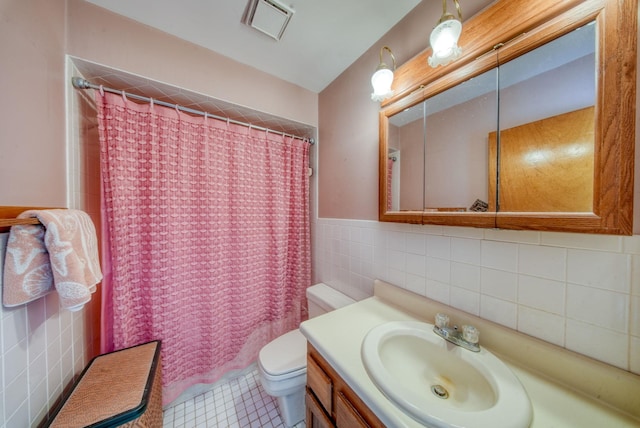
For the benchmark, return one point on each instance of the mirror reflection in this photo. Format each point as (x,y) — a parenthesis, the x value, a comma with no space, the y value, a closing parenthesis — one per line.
(405,168)
(458,122)
(446,154)
(546,139)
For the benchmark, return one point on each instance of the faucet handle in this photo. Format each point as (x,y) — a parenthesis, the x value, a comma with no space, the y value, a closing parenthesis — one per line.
(442,320)
(470,334)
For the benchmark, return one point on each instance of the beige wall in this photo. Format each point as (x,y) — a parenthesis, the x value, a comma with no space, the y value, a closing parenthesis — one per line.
(348,148)
(32,130)
(456,158)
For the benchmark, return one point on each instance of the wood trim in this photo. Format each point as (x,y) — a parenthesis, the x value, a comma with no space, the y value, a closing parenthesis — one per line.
(617,104)
(542,21)
(347,415)
(315,415)
(412,217)
(341,387)
(319,383)
(465,219)
(553,222)
(479,35)
(8,216)
(615,123)
(383,129)
(556,26)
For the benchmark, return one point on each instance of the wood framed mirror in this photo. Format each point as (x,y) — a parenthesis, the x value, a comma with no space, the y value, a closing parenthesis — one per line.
(593,193)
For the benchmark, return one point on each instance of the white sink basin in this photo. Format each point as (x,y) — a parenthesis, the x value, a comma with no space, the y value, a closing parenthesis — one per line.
(440,384)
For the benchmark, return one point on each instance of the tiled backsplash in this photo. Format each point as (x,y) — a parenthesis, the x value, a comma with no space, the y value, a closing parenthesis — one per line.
(41,349)
(577,291)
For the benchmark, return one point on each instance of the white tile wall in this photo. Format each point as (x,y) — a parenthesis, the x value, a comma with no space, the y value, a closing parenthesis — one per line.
(37,356)
(578,291)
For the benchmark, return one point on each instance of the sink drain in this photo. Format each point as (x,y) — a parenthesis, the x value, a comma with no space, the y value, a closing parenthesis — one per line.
(440,391)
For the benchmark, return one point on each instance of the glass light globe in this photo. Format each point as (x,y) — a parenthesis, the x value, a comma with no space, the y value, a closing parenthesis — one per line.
(381,82)
(444,42)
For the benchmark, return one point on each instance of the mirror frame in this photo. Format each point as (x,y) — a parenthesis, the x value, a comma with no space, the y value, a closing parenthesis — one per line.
(526,25)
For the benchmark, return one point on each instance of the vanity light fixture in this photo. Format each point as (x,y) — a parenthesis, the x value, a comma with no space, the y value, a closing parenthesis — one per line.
(444,37)
(383,78)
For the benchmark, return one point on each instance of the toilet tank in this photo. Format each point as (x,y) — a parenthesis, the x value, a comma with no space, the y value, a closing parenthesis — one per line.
(322,299)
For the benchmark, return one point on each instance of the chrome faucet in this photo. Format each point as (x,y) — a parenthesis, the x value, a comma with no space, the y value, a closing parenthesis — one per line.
(468,338)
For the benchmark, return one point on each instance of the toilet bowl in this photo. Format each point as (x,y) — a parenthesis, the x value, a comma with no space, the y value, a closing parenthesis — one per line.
(282,363)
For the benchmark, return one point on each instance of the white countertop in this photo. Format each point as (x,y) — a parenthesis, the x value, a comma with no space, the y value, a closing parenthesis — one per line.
(338,335)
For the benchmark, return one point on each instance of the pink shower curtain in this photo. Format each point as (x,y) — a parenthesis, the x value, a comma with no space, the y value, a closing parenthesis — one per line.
(207,237)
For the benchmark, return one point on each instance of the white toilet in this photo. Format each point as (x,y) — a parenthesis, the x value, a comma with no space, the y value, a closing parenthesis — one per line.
(282,363)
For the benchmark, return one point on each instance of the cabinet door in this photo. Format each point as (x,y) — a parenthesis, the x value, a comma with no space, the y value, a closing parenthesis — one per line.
(346,414)
(316,417)
(320,383)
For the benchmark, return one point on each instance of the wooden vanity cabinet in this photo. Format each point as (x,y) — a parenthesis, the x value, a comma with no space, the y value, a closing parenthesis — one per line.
(330,402)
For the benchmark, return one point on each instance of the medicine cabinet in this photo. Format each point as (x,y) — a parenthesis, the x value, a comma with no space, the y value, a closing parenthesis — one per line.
(532,128)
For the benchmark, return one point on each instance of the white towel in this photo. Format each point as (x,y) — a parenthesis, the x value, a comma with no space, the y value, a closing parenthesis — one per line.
(61,253)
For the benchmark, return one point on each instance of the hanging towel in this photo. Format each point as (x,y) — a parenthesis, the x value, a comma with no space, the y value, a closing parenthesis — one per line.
(61,253)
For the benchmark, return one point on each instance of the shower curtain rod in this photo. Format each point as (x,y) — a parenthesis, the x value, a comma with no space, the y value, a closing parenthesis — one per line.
(80,83)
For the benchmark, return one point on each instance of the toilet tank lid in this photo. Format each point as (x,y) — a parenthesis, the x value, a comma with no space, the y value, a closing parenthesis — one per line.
(327,297)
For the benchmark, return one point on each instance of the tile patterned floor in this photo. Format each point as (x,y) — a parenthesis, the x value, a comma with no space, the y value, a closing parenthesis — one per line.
(238,403)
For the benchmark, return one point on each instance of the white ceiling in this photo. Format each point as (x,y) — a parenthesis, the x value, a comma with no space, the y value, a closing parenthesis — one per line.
(323,38)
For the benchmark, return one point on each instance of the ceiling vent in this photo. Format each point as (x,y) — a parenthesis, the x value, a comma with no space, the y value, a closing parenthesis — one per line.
(268,16)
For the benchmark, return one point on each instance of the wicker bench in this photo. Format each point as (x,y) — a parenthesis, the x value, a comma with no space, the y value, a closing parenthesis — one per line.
(121,388)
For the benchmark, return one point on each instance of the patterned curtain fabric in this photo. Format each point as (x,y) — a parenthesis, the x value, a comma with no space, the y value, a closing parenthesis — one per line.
(208,240)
